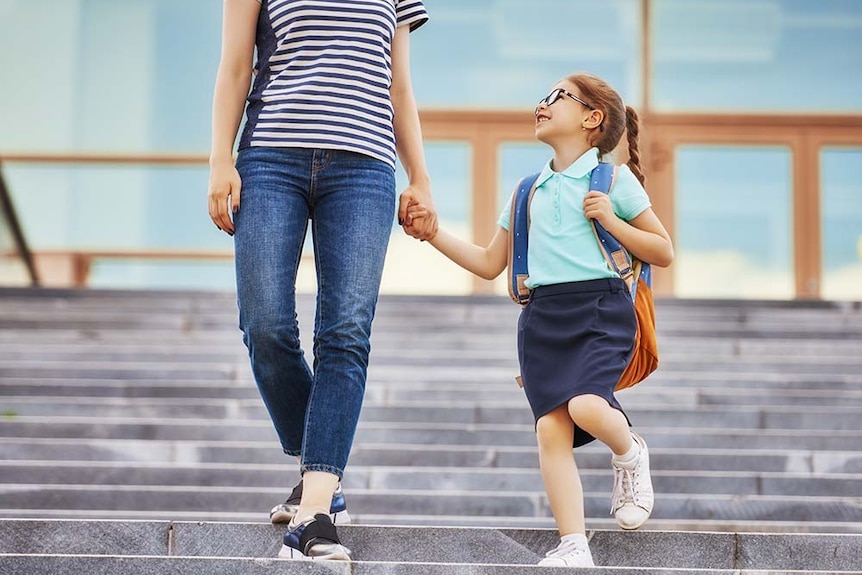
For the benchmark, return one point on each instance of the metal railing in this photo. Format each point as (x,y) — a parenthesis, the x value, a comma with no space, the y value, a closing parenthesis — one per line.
(9,218)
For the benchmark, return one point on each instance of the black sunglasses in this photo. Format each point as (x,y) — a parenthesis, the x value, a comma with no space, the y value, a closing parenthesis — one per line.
(558,93)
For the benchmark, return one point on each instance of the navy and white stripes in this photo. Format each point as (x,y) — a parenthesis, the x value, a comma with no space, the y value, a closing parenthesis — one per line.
(324,72)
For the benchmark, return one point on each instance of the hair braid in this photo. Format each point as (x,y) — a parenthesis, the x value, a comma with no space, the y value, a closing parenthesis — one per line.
(632,130)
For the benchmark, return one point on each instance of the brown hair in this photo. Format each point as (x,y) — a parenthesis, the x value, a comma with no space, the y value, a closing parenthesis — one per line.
(618,118)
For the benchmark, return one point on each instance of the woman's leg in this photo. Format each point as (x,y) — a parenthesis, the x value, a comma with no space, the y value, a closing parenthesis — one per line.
(554,432)
(353,209)
(270,230)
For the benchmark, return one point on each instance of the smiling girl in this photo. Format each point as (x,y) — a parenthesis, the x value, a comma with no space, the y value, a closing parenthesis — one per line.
(577,332)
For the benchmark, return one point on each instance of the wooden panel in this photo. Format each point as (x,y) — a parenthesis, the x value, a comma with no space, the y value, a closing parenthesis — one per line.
(806,220)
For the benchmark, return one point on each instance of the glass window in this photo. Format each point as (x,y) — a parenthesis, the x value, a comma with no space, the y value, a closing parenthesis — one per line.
(733,232)
(162,274)
(416,267)
(507,53)
(135,75)
(148,66)
(122,207)
(114,206)
(516,161)
(13,268)
(764,55)
(841,213)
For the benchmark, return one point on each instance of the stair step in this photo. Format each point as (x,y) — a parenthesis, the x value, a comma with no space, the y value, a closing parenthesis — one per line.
(169,475)
(510,411)
(173,501)
(448,546)
(190,429)
(441,455)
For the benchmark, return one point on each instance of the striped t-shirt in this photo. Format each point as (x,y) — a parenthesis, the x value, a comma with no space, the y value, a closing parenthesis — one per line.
(324,68)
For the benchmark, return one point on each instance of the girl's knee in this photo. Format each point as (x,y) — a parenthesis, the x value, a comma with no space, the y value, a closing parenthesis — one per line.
(555,428)
(587,406)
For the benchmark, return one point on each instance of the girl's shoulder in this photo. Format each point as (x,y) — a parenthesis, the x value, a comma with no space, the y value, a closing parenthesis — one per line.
(625,173)
(627,180)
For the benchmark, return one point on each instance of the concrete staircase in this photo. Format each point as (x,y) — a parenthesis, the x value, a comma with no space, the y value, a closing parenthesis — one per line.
(132,440)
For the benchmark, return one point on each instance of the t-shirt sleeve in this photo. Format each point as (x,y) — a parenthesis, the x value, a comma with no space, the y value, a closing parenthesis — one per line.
(506,214)
(410,13)
(628,197)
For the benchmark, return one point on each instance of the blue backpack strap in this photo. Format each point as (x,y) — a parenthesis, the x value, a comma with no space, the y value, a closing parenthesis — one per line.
(519,225)
(618,258)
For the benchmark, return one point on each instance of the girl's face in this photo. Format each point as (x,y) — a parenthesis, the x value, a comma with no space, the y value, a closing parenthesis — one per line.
(562,113)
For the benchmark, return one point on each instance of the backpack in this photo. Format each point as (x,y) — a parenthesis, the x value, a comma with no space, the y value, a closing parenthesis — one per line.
(636,274)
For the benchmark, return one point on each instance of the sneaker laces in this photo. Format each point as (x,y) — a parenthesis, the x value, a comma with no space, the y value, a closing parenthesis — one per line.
(624,491)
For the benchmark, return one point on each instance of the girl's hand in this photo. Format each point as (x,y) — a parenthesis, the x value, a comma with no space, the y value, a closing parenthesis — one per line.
(415,210)
(223,196)
(416,214)
(423,228)
(597,206)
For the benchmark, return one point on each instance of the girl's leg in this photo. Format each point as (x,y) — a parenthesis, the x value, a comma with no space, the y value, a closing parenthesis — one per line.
(632,498)
(554,432)
(594,415)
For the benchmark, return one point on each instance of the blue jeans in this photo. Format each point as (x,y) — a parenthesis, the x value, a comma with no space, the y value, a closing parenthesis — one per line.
(350,200)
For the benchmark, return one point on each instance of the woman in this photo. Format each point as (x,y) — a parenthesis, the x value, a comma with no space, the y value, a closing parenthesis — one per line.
(331,105)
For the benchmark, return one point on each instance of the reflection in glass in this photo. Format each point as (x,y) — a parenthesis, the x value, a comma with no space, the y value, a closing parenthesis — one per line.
(520,48)
(841,213)
(416,267)
(768,55)
(516,161)
(110,207)
(108,76)
(733,232)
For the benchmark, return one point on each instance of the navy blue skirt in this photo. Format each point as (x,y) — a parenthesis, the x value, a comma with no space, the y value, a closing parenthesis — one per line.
(575,339)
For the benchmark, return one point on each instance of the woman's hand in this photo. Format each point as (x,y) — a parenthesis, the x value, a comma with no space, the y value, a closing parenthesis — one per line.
(416,213)
(421,227)
(224,194)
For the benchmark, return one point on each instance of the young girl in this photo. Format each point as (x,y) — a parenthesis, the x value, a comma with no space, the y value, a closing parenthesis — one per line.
(576,334)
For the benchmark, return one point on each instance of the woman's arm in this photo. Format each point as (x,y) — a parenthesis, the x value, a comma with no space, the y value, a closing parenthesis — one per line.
(408,139)
(231,89)
(487,263)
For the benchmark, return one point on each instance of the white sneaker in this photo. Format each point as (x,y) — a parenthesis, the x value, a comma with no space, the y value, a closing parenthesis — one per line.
(568,554)
(632,499)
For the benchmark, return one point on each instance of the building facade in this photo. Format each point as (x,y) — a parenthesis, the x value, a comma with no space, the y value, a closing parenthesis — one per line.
(751,135)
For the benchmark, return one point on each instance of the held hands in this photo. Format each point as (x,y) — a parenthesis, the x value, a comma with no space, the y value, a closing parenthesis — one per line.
(416,213)
(597,206)
(224,193)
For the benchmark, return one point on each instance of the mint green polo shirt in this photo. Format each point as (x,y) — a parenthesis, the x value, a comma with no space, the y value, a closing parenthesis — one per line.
(562,246)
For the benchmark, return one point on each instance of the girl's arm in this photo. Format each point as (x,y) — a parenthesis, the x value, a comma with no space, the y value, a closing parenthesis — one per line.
(231,89)
(645,236)
(408,139)
(487,263)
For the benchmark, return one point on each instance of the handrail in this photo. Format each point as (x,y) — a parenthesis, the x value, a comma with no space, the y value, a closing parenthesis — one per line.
(101,158)
(8,210)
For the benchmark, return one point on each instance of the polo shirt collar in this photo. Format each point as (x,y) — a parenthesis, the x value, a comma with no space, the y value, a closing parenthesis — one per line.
(579,168)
